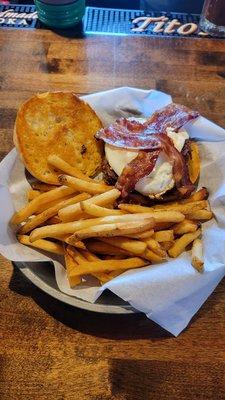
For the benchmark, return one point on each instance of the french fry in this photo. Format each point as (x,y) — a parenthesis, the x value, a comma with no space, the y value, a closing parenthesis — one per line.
(53,220)
(127,218)
(123,218)
(41,244)
(142,235)
(42,187)
(181,243)
(197,255)
(53,203)
(193,206)
(200,215)
(60,229)
(105,248)
(185,226)
(44,198)
(135,208)
(107,276)
(72,212)
(90,267)
(114,274)
(81,186)
(194,162)
(201,194)
(32,194)
(81,216)
(63,166)
(101,276)
(132,246)
(153,245)
(164,236)
(89,256)
(71,227)
(109,230)
(158,215)
(82,256)
(161,226)
(71,265)
(153,257)
(166,206)
(98,211)
(105,279)
(50,212)
(167,245)
(115,257)
(76,254)
(110,275)
(184,208)
(60,238)
(79,245)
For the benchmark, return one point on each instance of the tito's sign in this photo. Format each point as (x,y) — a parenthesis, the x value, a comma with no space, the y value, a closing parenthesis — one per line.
(163,25)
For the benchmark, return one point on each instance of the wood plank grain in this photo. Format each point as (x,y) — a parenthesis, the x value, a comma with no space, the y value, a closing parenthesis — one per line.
(54,351)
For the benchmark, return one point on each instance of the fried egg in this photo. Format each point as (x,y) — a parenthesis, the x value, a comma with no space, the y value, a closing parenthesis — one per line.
(160,180)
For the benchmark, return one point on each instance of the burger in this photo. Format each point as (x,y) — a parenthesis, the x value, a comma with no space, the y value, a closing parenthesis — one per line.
(151,159)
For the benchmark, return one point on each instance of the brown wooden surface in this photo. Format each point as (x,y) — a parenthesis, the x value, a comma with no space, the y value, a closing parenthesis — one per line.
(52,351)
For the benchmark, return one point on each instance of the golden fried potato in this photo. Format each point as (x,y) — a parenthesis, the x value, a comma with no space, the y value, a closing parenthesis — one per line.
(42,244)
(181,243)
(194,162)
(197,255)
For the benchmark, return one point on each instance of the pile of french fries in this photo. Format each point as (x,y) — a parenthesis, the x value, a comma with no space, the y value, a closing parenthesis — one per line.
(78,220)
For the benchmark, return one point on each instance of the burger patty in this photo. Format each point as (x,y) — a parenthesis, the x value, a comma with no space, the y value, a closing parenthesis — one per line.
(110,177)
(186,149)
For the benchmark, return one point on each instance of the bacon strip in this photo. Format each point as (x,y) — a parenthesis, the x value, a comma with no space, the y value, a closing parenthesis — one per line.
(180,169)
(174,116)
(144,163)
(150,136)
(128,134)
(141,166)
(135,135)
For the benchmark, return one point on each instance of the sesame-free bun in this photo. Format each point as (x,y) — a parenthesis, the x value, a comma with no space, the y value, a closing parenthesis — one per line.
(61,124)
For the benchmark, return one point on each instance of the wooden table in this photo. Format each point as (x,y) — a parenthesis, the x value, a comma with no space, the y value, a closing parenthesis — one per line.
(52,351)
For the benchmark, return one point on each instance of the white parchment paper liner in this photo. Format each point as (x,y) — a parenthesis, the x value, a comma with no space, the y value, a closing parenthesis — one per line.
(169,293)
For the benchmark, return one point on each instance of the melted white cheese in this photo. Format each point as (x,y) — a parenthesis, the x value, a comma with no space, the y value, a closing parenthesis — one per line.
(178,138)
(161,178)
(118,158)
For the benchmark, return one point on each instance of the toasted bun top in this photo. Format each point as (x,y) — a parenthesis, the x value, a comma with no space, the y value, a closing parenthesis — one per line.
(57,123)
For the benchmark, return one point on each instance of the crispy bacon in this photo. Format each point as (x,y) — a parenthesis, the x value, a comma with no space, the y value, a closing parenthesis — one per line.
(145,161)
(135,135)
(180,169)
(141,166)
(150,136)
(128,134)
(174,116)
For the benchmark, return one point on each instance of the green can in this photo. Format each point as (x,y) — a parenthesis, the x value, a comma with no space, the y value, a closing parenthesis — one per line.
(60,13)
